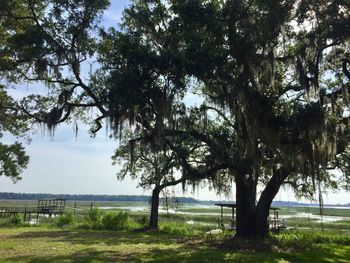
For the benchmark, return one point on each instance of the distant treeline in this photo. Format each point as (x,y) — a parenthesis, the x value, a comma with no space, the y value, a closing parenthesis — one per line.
(133,198)
(102,198)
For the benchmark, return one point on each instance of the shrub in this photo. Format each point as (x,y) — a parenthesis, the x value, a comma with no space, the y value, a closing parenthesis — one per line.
(94,218)
(66,219)
(15,220)
(115,221)
(177,228)
(143,221)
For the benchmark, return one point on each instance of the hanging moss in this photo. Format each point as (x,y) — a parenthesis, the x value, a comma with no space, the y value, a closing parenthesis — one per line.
(52,119)
(132,152)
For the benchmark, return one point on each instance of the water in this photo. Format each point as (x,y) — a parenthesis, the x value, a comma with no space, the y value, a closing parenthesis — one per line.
(318,218)
(126,208)
(146,208)
(161,210)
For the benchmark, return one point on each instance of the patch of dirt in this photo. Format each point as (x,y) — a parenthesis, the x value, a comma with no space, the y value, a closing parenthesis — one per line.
(145,230)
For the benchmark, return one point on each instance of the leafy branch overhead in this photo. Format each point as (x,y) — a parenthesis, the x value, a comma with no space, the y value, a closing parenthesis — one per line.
(12,156)
(48,42)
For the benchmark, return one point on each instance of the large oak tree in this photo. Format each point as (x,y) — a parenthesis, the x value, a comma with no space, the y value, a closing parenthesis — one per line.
(280,70)
(275,72)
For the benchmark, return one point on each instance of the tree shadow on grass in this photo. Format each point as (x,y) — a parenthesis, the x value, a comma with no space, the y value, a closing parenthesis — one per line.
(202,254)
(320,253)
(87,255)
(156,247)
(153,255)
(270,250)
(95,237)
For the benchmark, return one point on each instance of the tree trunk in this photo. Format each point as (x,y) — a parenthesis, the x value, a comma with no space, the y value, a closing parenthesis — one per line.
(245,201)
(265,201)
(153,222)
(252,220)
(261,220)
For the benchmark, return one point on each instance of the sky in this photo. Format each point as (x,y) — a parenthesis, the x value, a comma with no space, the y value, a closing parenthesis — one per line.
(66,164)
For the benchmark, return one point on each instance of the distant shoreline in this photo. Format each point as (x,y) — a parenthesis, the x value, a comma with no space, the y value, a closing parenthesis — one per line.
(140,198)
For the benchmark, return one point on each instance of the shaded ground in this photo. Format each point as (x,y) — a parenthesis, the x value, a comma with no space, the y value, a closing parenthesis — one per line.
(42,244)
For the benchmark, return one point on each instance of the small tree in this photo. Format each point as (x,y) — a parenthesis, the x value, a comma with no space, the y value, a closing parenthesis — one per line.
(169,200)
(154,169)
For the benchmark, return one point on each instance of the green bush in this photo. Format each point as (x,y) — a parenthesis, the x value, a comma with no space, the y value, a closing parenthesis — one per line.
(94,218)
(16,220)
(143,221)
(116,221)
(66,219)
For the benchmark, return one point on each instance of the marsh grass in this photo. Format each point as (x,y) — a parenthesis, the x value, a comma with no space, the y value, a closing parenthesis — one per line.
(315,211)
(313,224)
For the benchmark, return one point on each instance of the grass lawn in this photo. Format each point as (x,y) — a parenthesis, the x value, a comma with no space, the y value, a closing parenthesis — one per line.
(51,244)
(182,239)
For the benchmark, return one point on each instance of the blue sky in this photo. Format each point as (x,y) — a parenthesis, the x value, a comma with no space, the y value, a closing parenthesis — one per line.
(68,165)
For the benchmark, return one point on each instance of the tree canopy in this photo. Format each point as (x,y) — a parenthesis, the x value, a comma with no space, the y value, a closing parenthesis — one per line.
(273,77)
(13,158)
(49,42)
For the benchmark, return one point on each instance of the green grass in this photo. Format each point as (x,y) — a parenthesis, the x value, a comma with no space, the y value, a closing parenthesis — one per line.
(209,219)
(47,244)
(176,241)
(18,203)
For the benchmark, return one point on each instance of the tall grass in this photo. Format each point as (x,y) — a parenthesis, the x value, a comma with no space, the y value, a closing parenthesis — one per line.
(67,219)
(16,220)
(305,238)
(99,219)
(116,221)
(94,218)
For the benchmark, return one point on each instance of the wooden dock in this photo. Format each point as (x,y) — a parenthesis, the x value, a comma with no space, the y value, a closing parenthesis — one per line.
(275,224)
(49,207)
(26,212)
